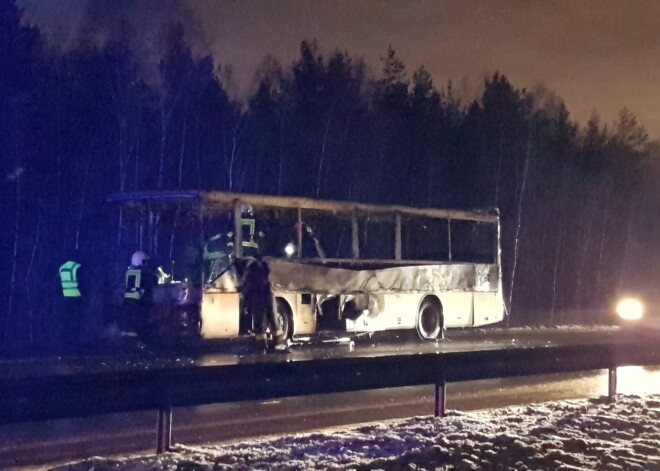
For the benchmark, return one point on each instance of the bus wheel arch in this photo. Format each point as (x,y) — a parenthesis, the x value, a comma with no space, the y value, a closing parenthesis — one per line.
(430,322)
(285,314)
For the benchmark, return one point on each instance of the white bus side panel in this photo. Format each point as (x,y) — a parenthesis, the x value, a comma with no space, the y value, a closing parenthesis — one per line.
(220,315)
(456,308)
(304,317)
(400,312)
(488,308)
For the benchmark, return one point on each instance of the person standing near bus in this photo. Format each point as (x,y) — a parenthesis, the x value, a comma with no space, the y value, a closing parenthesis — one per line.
(140,281)
(218,250)
(216,256)
(72,302)
(251,234)
(259,302)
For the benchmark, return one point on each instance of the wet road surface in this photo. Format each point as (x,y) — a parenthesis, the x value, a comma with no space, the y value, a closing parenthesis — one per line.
(70,439)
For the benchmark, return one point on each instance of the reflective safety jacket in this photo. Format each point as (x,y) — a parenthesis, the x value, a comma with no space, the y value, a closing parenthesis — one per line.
(69,279)
(139,283)
(249,229)
(216,247)
(221,245)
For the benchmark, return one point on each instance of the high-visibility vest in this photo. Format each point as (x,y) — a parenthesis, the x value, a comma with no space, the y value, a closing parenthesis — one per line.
(133,281)
(249,228)
(69,279)
(215,247)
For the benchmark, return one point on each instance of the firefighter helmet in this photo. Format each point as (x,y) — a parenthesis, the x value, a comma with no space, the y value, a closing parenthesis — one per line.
(246,210)
(139,258)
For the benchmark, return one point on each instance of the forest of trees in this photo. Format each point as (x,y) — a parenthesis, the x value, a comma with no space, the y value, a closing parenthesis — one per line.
(80,122)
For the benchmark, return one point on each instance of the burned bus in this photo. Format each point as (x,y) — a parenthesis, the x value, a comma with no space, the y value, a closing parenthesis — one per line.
(342,267)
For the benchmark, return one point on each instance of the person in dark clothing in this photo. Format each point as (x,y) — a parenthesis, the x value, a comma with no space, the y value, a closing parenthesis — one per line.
(310,247)
(140,281)
(216,255)
(258,301)
(218,251)
(72,303)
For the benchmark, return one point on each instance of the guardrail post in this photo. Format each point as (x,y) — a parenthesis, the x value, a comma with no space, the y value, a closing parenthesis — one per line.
(164,430)
(611,384)
(440,397)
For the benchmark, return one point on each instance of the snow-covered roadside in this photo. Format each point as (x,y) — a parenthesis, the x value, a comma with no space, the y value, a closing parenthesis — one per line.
(582,434)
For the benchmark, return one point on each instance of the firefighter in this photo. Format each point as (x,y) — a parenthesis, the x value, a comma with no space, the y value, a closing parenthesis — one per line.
(259,302)
(218,250)
(72,302)
(310,247)
(216,255)
(140,280)
(251,235)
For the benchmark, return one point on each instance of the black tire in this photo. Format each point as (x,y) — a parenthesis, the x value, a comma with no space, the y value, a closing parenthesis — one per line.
(283,312)
(430,320)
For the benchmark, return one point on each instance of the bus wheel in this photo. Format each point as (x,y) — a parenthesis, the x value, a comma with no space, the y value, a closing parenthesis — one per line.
(430,321)
(284,317)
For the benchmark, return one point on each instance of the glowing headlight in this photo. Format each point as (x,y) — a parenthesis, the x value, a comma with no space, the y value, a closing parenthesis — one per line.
(290,249)
(630,309)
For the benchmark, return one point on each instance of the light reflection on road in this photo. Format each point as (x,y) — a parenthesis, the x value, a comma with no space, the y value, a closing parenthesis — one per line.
(638,380)
(486,394)
(134,432)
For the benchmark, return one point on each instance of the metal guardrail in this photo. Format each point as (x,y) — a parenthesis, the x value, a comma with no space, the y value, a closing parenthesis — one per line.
(75,395)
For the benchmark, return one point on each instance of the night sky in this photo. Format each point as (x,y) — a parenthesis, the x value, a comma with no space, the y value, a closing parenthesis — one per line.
(597,54)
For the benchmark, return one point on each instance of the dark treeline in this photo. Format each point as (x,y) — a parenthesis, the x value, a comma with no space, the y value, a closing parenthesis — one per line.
(80,122)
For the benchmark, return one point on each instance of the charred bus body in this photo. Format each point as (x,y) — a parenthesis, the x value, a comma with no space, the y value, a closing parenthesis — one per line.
(333,266)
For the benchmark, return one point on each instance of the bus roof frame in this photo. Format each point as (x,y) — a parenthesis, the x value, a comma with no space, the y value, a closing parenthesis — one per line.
(211,203)
(218,201)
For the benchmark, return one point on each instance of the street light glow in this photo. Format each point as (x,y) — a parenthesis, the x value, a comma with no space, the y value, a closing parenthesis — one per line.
(630,309)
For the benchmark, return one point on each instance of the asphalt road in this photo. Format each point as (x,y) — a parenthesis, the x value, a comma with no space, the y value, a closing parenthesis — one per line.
(35,444)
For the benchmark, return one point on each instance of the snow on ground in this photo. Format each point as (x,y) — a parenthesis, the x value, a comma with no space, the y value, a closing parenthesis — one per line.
(567,435)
